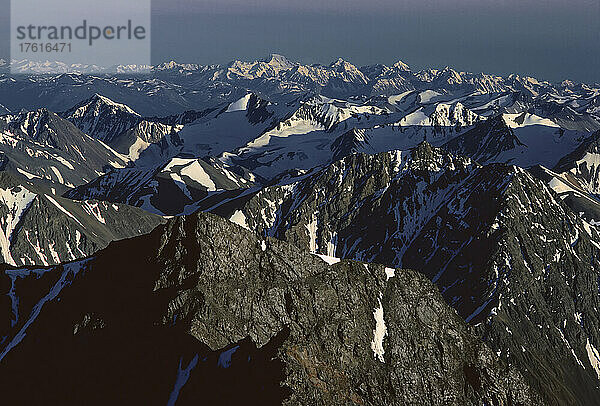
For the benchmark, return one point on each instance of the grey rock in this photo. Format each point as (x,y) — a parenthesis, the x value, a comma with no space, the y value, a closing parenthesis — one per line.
(506,252)
(240,295)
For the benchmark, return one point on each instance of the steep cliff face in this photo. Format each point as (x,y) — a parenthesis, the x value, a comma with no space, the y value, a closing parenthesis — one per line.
(505,251)
(202,310)
(487,142)
(38,228)
(581,166)
(41,146)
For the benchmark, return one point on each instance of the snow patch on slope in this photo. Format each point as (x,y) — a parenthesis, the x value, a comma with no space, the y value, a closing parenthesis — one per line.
(379,333)
(16,200)
(593,356)
(195,172)
(93,209)
(15,274)
(240,105)
(239,219)
(329,260)
(312,233)
(183,375)
(58,206)
(525,119)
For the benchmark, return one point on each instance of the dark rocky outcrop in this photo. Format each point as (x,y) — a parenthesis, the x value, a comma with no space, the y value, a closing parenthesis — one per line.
(202,311)
(507,253)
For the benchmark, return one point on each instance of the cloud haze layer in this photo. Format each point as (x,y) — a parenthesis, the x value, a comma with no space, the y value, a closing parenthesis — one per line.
(549,39)
(362,6)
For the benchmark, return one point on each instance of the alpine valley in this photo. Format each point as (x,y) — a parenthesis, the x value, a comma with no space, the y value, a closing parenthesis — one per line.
(269,232)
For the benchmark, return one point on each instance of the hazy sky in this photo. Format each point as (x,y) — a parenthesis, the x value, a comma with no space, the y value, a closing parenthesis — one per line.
(549,39)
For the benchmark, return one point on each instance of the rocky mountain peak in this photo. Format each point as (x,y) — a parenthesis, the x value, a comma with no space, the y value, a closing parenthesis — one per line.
(260,309)
(486,141)
(479,232)
(343,66)
(450,76)
(279,62)
(99,103)
(423,151)
(428,159)
(104,119)
(401,66)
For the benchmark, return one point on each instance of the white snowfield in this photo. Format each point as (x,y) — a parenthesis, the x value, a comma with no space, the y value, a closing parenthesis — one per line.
(525,120)
(16,202)
(192,169)
(240,105)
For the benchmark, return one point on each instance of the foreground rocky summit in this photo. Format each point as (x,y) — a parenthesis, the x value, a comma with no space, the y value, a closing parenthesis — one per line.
(203,311)
(506,252)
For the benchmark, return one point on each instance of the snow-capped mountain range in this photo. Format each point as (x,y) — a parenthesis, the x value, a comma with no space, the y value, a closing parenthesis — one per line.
(488,186)
(174,87)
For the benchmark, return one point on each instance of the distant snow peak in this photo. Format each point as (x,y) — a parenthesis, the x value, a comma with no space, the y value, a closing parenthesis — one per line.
(402,66)
(342,65)
(279,61)
(98,98)
(52,67)
(173,65)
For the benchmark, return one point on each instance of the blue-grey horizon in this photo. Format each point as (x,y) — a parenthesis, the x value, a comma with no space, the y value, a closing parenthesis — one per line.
(548,39)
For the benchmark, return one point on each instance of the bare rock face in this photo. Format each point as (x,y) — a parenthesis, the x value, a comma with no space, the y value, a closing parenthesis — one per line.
(203,311)
(505,251)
